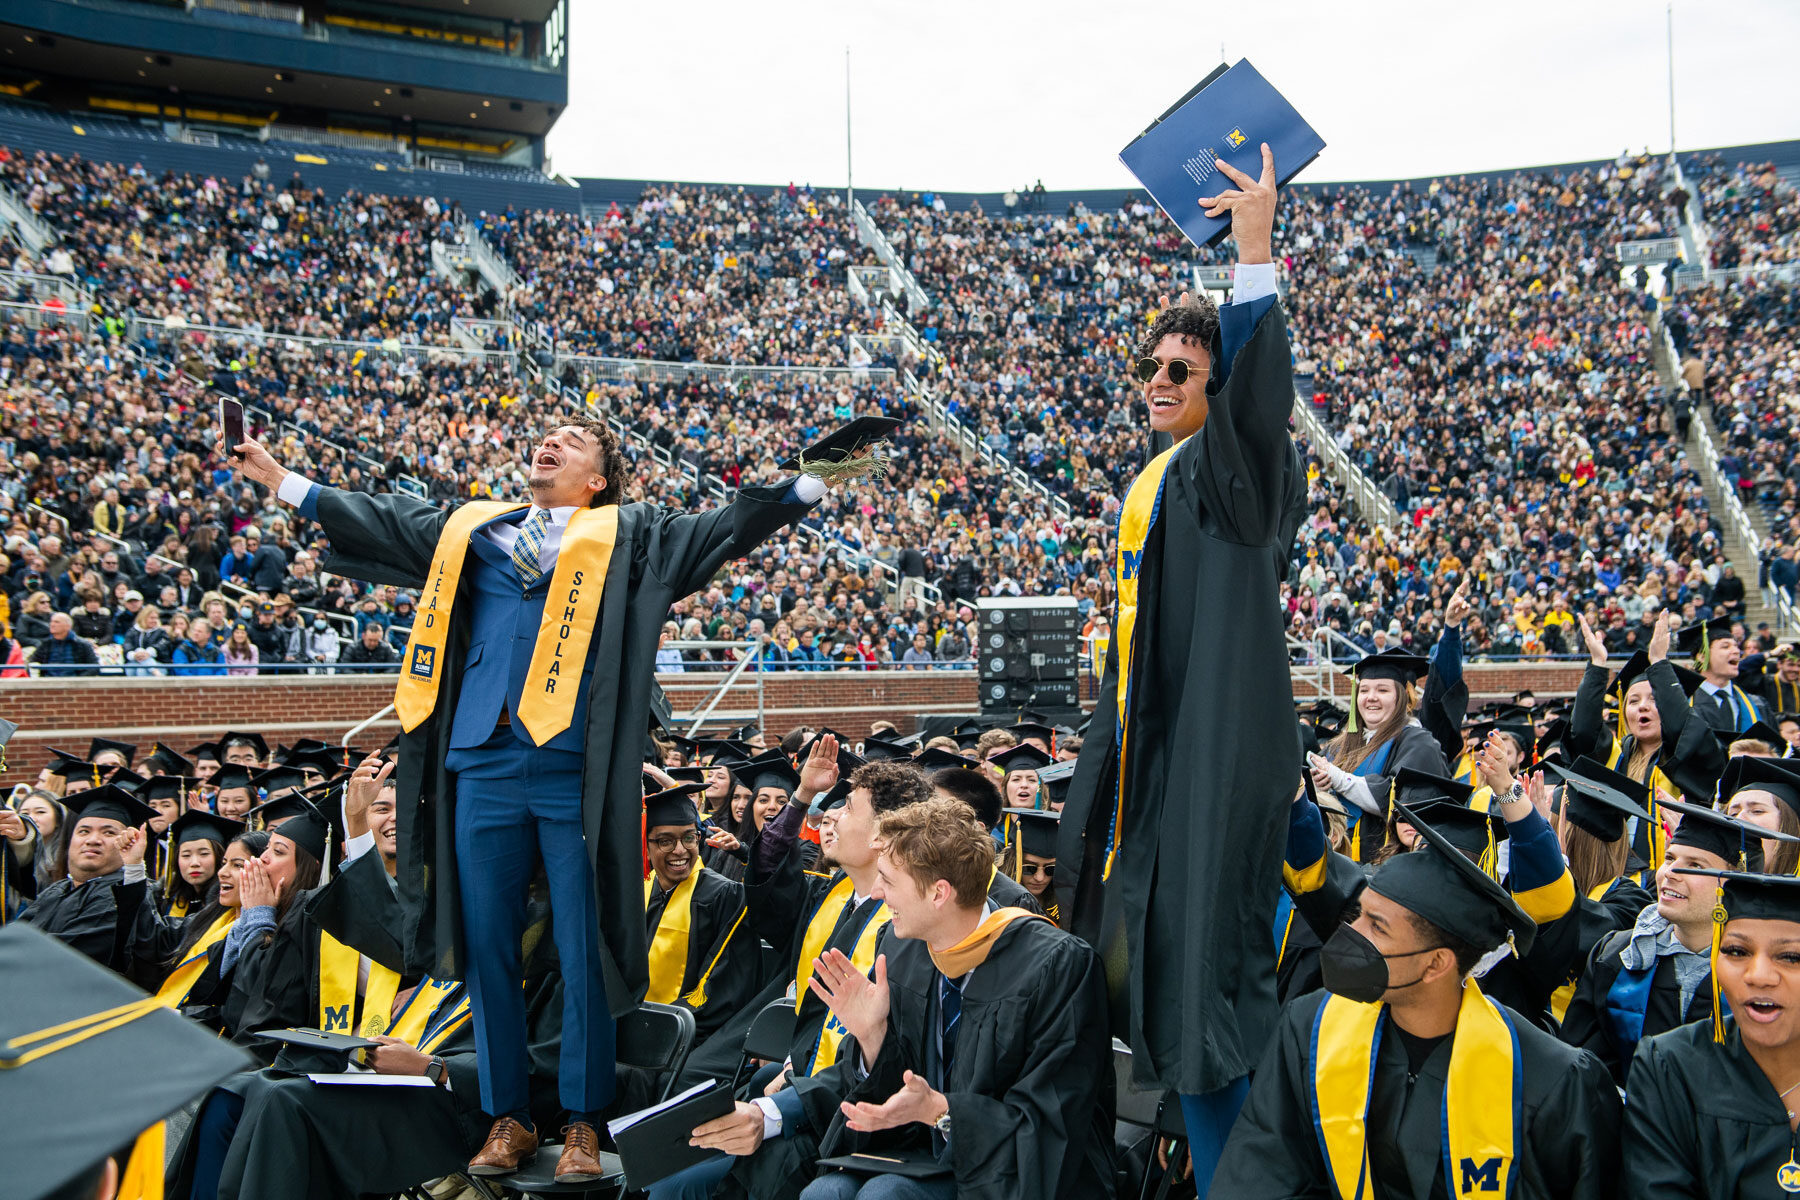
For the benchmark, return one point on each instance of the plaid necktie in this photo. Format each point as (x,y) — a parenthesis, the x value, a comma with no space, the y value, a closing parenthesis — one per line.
(529,545)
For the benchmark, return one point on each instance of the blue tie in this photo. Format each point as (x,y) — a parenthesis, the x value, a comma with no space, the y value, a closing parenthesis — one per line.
(949,1015)
(529,545)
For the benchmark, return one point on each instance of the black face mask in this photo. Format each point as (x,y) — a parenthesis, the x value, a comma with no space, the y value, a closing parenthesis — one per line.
(1353,968)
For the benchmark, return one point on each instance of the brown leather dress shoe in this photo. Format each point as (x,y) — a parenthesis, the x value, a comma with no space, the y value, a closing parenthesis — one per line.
(580,1161)
(508,1144)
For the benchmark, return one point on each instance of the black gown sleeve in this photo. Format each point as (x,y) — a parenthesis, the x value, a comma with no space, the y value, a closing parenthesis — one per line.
(387,538)
(1573,1138)
(1588,734)
(360,909)
(1661,1145)
(1240,463)
(683,550)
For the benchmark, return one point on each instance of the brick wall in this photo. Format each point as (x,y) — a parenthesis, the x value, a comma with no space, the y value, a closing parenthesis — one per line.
(67,713)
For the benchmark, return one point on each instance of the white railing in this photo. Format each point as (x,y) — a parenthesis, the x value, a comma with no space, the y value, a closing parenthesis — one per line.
(392,348)
(40,316)
(480,333)
(1739,519)
(1370,500)
(598,367)
(494,268)
(1726,276)
(267,10)
(33,230)
(884,250)
(451,259)
(34,285)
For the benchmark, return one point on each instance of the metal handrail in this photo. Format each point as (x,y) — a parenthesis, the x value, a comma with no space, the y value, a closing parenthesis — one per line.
(652,370)
(34,230)
(1371,500)
(884,250)
(351,733)
(1739,517)
(731,677)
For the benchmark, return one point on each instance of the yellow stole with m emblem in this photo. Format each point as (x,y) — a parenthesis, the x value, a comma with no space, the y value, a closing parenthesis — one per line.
(337,990)
(570,610)
(1483,1096)
(1143,503)
(818,933)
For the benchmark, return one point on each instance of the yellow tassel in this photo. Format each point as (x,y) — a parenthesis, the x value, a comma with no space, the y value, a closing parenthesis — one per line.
(696,999)
(1719,916)
(143,1175)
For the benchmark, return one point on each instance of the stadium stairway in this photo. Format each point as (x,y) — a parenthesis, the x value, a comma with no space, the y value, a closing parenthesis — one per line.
(1425,256)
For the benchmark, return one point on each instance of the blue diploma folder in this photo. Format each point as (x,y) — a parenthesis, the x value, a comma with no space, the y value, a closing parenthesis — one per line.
(1228,116)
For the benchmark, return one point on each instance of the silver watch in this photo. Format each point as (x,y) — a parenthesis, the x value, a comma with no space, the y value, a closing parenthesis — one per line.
(942,1124)
(1517,791)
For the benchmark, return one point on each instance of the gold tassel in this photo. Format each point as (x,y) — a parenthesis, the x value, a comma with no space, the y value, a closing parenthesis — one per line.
(142,1178)
(696,999)
(1719,916)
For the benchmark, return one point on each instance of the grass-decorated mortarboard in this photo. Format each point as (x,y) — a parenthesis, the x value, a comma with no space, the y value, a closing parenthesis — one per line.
(67,1025)
(1599,801)
(834,456)
(1737,843)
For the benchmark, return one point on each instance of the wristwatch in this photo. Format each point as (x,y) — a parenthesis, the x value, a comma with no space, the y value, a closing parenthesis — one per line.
(942,1124)
(434,1071)
(1518,790)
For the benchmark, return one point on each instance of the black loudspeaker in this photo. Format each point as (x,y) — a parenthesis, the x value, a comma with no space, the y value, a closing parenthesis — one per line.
(1029,654)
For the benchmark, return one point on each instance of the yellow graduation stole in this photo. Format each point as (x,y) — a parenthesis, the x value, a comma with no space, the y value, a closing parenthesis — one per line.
(436,1009)
(1657,782)
(564,631)
(1465,770)
(812,944)
(1142,504)
(669,948)
(1482,1096)
(173,993)
(337,990)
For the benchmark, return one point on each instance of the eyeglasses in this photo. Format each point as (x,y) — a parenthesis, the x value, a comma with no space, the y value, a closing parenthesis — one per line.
(1179,370)
(1047,870)
(668,842)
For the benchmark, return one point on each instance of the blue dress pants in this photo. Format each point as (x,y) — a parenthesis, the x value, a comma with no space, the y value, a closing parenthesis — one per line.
(517,805)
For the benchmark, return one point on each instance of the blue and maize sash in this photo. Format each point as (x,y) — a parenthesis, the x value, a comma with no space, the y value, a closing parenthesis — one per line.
(1483,1095)
(436,1009)
(1143,504)
(812,944)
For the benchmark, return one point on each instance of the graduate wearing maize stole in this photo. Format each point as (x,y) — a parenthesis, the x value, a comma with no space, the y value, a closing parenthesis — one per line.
(1170,847)
(1402,1080)
(527,684)
(1713,1113)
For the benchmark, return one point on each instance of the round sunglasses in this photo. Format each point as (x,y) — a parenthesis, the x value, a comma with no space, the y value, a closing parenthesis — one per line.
(1179,370)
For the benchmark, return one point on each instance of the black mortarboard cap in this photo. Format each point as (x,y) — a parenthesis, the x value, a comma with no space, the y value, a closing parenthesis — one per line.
(321,760)
(159,787)
(725,749)
(1639,663)
(876,749)
(71,1108)
(674,806)
(70,766)
(207,750)
(1470,830)
(254,740)
(1054,779)
(127,778)
(688,775)
(280,778)
(234,775)
(688,746)
(164,761)
(843,442)
(968,739)
(770,769)
(1749,897)
(1554,732)
(838,795)
(306,1051)
(1037,830)
(1022,757)
(299,820)
(110,801)
(1599,801)
(1689,638)
(7,729)
(1438,883)
(1780,777)
(99,744)
(1399,665)
(933,759)
(1738,843)
(1036,729)
(1415,788)
(196,824)
(1759,731)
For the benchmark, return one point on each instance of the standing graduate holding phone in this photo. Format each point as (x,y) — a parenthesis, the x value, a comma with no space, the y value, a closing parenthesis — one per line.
(523,698)
(1169,857)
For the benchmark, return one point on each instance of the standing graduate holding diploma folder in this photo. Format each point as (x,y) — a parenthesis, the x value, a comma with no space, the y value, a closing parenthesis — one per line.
(1169,858)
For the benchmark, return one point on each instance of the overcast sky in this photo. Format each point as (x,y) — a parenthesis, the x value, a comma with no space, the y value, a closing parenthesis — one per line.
(976,95)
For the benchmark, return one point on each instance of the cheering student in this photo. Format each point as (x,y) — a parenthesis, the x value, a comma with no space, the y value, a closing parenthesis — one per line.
(1776,685)
(194,981)
(1194,731)
(546,727)
(1712,1112)
(976,1054)
(1657,975)
(1766,792)
(1031,858)
(1655,744)
(1403,1078)
(94,906)
(1719,701)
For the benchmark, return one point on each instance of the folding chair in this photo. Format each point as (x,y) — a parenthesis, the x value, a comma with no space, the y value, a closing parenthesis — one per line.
(1155,1116)
(656,1038)
(769,1038)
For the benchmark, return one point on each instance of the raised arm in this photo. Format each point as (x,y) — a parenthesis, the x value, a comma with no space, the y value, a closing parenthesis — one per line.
(382,539)
(1588,733)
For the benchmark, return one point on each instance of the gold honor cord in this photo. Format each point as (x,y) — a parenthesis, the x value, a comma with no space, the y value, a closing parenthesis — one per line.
(71,1033)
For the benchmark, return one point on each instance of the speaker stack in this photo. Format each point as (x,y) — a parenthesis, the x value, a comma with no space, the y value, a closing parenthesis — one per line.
(1029,652)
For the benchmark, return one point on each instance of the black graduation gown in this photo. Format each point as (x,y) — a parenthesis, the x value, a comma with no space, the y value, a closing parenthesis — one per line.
(1588,1025)
(1691,756)
(96,917)
(1415,747)
(1214,748)
(1569,1146)
(660,556)
(275,983)
(1030,1090)
(1704,1122)
(18,881)
(716,905)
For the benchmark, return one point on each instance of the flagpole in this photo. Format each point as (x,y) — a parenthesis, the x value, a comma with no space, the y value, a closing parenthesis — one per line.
(849,168)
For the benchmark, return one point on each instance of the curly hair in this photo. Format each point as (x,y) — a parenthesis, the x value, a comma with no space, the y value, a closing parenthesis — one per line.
(1197,320)
(892,785)
(611,458)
